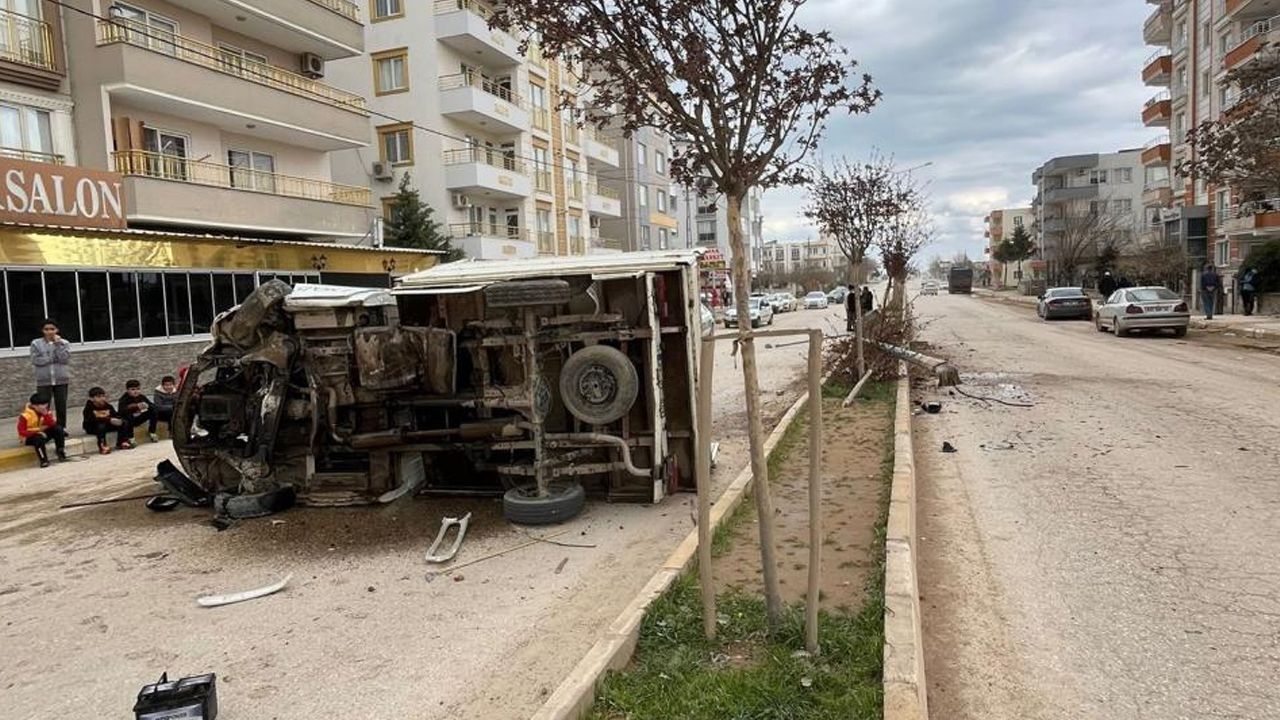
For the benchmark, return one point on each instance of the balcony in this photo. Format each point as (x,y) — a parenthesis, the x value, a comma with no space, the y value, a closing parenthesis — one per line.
(1054,224)
(328,28)
(464,26)
(491,241)
(1257,218)
(1070,194)
(1157,151)
(1158,111)
(1158,70)
(163,189)
(1158,29)
(606,246)
(27,52)
(32,156)
(603,200)
(1251,41)
(599,152)
(1248,9)
(179,76)
(1157,192)
(486,172)
(482,102)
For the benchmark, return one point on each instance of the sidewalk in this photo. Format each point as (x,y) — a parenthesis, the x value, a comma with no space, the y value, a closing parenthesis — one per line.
(16,456)
(1007,296)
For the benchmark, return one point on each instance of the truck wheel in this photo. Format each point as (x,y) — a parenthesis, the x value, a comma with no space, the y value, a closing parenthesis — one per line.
(563,502)
(599,384)
(524,293)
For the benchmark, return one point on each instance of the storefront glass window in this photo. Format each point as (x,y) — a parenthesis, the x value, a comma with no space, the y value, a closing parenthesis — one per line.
(177,303)
(5,339)
(151,292)
(26,306)
(244,286)
(60,296)
(95,311)
(224,293)
(201,302)
(124,304)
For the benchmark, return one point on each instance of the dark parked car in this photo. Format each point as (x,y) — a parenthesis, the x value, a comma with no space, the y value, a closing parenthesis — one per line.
(1065,303)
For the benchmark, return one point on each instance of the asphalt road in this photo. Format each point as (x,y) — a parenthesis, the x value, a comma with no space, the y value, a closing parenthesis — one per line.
(96,602)
(1112,552)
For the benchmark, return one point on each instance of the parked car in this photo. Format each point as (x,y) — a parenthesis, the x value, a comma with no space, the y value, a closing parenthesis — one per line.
(465,379)
(1066,302)
(815,300)
(930,287)
(761,313)
(1143,308)
(784,302)
(838,295)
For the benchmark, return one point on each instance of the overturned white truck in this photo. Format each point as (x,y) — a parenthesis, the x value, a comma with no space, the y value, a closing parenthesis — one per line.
(540,381)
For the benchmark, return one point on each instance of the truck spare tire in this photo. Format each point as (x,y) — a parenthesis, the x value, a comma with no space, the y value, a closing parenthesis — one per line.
(524,293)
(564,500)
(599,384)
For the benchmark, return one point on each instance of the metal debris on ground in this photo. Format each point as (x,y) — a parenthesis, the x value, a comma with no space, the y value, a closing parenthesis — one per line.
(431,575)
(948,447)
(933,407)
(560,567)
(433,553)
(191,697)
(231,598)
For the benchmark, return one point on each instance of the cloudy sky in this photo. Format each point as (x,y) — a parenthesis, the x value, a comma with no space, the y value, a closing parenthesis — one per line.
(986,90)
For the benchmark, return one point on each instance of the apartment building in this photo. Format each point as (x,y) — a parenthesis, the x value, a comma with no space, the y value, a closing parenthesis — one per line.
(1074,188)
(474,124)
(785,258)
(1001,224)
(1197,43)
(708,225)
(162,159)
(650,212)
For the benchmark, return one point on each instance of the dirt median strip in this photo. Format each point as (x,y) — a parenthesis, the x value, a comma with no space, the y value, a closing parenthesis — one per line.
(575,694)
(904,681)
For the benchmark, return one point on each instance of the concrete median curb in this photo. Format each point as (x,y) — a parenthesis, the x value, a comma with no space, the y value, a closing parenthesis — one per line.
(1243,331)
(575,694)
(23,457)
(904,682)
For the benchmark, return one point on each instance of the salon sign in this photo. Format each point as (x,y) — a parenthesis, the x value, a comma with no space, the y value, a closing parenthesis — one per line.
(47,194)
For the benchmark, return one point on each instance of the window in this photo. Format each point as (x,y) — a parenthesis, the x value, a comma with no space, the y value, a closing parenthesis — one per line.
(1205,83)
(544,221)
(664,238)
(1124,175)
(145,28)
(26,304)
(177,304)
(391,72)
(62,303)
(1222,251)
(95,306)
(642,197)
(662,201)
(575,226)
(252,170)
(239,61)
(1097,206)
(395,144)
(387,9)
(201,285)
(707,234)
(645,238)
(168,153)
(25,130)
(1017,221)
(224,293)
(1123,206)
(244,285)
(660,162)
(642,154)
(1224,44)
(1206,33)
(1097,177)
(123,287)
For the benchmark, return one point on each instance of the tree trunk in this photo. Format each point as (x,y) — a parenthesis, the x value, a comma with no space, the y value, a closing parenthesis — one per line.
(857,320)
(755,429)
(899,291)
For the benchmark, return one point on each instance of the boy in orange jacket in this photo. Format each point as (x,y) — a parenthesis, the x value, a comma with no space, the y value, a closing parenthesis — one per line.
(36,425)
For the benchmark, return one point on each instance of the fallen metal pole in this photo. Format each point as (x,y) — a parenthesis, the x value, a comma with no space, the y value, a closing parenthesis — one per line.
(813,596)
(946,373)
(856,389)
(706,579)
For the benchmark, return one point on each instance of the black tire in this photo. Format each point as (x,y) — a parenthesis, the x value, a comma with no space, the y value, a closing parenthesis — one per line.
(563,502)
(524,293)
(1119,331)
(599,384)
(1180,332)
(1097,324)
(755,324)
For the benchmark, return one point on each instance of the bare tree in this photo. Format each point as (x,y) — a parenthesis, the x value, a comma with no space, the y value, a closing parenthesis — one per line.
(1080,237)
(745,89)
(905,234)
(1238,149)
(851,203)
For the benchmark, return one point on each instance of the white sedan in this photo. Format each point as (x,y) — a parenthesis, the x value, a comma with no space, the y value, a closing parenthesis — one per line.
(1142,308)
(815,300)
(760,309)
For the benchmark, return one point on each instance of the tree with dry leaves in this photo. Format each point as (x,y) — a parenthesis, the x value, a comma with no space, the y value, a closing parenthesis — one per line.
(1238,149)
(747,93)
(1079,237)
(852,203)
(904,235)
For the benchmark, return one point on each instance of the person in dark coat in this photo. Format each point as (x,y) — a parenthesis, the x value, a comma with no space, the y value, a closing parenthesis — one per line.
(850,311)
(1210,286)
(1248,289)
(1106,285)
(868,300)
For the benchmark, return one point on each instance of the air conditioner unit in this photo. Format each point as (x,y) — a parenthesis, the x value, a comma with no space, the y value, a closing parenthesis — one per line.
(312,65)
(461,202)
(382,171)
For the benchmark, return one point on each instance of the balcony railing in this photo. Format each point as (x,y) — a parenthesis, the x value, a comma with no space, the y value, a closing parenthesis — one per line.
(1158,98)
(1156,142)
(485,156)
(200,172)
(606,191)
(32,155)
(488,85)
(345,8)
(26,40)
(111,32)
(471,6)
(608,243)
(486,229)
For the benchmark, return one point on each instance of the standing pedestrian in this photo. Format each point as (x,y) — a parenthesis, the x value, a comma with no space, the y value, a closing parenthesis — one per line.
(1106,285)
(51,360)
(1248,289)
(1210,285)
(850,309)
(868,300)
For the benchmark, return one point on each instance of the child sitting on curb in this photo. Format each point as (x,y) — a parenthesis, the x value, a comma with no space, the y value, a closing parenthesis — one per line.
(100,418)
(163,400)
(136,409)
(36,425)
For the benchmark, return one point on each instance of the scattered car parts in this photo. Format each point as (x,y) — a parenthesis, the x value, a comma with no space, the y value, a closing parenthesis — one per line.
(191,697)
(232,598)
(433,553)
